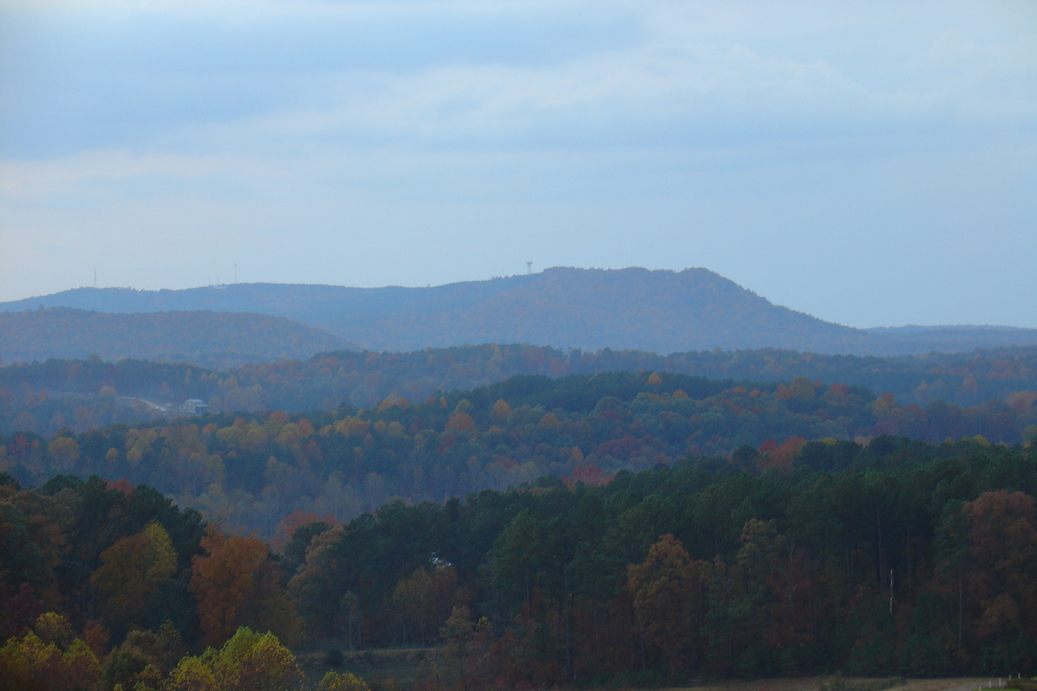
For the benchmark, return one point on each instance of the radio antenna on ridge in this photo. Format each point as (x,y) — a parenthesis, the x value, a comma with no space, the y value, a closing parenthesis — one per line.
(529,268)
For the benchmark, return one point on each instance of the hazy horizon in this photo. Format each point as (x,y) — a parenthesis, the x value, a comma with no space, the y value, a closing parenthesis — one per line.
(869,164)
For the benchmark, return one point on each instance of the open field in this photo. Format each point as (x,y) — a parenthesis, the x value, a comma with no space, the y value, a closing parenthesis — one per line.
(377,667)
(401,666)
(815,684)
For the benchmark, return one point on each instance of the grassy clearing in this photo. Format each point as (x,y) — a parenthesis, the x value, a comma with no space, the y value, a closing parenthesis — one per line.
(863,684)
(399,668)
(391,668)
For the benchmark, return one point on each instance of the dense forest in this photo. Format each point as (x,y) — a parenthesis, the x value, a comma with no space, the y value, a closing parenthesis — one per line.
(253,469)
(45,397)
(568,526)
(896,558)
(109,586)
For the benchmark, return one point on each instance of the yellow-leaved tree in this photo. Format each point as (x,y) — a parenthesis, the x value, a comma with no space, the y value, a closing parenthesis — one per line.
(132,570)
(248,661)
(48,658)
(423,601)
(344,681)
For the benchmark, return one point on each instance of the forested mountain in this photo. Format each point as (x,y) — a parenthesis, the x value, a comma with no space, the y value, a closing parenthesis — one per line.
(895,558)
(210,339)
(660,311)
(83,394)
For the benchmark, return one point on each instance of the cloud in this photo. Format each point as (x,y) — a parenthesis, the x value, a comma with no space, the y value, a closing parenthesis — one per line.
(162,89)
(159,74)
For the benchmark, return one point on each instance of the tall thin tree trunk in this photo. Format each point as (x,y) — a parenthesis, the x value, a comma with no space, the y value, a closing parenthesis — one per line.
(597,641)
(961,606)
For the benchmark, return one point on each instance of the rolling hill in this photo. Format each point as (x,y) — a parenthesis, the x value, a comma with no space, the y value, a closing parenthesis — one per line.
(210,339)
(660,311)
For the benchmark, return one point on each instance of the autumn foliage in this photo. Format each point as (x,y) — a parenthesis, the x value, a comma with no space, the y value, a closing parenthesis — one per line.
(236,585)
(132,570)
(260,472)
(641,530)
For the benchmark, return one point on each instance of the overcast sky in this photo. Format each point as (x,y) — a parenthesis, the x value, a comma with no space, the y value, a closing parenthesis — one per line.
(873,164)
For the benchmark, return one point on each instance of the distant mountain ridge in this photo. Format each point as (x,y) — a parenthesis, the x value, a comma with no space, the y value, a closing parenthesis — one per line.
(660,311)
(210,339)
(951,339)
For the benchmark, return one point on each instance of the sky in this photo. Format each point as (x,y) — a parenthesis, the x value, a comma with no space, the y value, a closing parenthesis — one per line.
(870,163)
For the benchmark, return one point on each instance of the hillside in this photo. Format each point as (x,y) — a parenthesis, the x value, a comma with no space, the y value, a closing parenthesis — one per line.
(660,311)
(211,339)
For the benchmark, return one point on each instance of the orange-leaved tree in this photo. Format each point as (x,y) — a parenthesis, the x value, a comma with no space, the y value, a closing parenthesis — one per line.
(237,584)
(669,601)
(1002,551)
